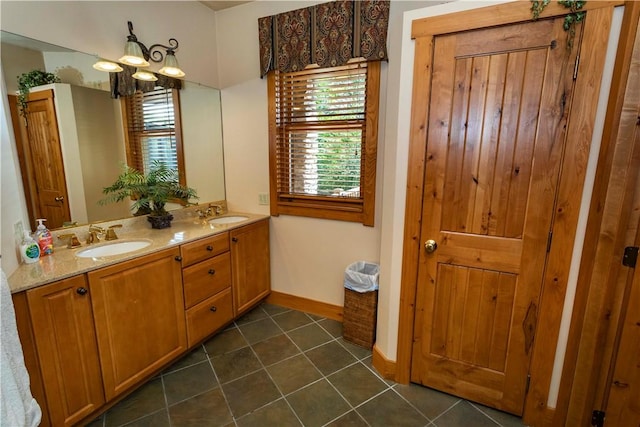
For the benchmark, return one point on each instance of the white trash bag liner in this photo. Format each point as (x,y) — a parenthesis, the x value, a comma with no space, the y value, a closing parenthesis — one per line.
(362,276)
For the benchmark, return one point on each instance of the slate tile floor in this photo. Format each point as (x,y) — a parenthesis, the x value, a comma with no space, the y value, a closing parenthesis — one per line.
(281,367)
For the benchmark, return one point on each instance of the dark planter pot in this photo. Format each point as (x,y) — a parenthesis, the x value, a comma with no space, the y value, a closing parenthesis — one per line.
(160,221)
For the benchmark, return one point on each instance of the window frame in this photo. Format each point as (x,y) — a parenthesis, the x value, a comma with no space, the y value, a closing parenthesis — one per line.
(360,210)
(129,143)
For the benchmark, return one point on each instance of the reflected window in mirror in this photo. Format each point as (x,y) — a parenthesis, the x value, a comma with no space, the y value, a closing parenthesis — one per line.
(153,130)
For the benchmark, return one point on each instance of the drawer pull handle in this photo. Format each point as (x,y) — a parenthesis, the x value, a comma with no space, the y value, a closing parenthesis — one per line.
(214,309)
(209,248)
(234,239)
(178,258)
(212,271)
(81,291)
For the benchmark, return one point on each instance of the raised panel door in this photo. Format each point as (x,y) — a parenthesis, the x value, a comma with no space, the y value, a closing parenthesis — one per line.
(67,349)
(138,307)
(250,268)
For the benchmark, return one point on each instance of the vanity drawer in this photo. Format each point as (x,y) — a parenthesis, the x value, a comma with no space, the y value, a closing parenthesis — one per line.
(204,248)
(207,278)
(209,316)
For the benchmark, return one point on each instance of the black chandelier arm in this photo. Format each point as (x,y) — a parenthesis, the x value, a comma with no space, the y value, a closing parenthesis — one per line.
(152,53)
(156,55)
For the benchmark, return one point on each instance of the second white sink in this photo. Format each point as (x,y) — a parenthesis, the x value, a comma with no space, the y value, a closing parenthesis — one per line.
(228,219)
(115,248)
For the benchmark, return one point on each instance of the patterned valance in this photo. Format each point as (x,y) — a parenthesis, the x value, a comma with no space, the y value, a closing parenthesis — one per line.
(123,83)
(327,34)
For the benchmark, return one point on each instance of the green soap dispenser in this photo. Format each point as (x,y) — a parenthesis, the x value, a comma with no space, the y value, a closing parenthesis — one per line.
(29,249)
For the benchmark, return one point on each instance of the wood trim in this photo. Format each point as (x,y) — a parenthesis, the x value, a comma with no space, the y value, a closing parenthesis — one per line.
(294,302)
(502,14)
(384,366)
(581,126)
(567,209)
(413,209)
(371,143)
(608,223)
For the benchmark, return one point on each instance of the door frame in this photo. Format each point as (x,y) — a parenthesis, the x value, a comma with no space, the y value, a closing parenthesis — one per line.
(554,285)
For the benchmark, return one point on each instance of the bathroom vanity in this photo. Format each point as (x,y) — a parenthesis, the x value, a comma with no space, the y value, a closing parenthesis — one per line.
(94,329)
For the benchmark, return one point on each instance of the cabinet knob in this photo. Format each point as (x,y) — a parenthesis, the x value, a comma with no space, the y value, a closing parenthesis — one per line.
(234,239)
(178,258)
(213,309)
(209,248)
(81,291)
(212,271)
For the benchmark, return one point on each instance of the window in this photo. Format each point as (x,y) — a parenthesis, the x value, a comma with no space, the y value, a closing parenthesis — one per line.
(152,121)
(323,130)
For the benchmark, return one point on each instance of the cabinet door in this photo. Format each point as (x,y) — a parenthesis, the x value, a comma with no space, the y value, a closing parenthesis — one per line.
(139,315)
(250,265)
(68,353)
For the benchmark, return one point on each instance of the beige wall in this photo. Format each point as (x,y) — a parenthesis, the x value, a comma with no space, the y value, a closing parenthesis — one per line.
(309,255)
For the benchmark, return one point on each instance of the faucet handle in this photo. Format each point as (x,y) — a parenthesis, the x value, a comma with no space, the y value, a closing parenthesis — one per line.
(111,233)
(73,240)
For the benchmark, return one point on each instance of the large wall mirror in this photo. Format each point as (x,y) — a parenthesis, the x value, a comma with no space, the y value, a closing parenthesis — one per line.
(91,132)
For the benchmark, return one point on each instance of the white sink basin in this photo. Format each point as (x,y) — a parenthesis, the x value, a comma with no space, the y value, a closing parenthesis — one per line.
(228,219)
(115,248)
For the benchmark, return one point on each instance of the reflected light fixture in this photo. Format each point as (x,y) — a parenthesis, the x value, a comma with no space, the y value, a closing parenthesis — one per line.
(136,54)
(108,66)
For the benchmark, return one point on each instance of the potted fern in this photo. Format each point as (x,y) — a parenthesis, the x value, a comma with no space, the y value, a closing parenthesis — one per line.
(150,192)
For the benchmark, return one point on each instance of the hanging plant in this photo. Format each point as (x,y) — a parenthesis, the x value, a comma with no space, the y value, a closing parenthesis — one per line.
(32,79)
(574,16)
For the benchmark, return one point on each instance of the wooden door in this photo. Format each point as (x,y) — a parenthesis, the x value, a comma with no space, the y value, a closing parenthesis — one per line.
(67,349)
(499,103)
(623,408)
(250,265)
(41,159)
(139,314)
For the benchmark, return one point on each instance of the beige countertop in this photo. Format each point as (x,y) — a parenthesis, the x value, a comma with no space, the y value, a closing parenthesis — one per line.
(64,263)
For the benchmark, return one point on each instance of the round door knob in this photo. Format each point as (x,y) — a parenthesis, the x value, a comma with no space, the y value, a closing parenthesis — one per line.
(213,309)
(81,291)
(212,271)
(430,246)
(59,198)
(209,248)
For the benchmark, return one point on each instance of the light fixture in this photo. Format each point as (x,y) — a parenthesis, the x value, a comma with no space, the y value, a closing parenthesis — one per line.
(145,75)
(136,54)
(170,67)
(108,66)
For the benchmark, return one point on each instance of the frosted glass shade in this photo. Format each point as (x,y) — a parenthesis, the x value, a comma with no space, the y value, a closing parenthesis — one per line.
(170,67)
(108,66)
(144,75)
(133,55)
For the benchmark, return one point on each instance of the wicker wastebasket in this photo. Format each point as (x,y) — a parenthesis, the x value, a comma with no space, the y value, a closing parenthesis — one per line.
(360,304)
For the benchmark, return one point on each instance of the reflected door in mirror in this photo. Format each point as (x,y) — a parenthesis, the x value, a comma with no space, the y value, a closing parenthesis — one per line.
(40,153)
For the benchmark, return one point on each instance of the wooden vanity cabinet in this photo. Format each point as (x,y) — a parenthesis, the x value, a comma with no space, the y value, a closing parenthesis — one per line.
(250,265)
(206,279)
(138,308)
(67,352)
